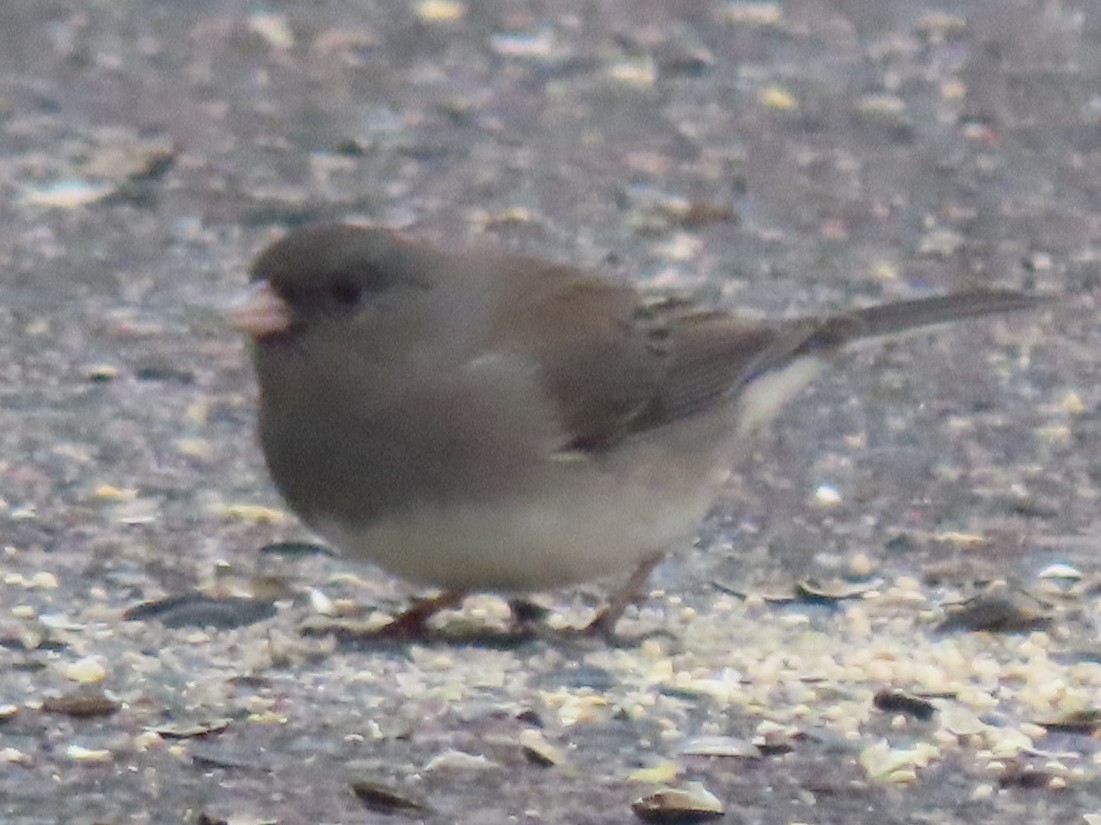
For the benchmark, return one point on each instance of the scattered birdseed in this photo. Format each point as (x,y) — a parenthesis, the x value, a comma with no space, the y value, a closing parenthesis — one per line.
(678,806)
(460,761)
(86,671)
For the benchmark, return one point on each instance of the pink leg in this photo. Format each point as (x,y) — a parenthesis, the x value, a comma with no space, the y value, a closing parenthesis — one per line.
(605,621)
(413,623)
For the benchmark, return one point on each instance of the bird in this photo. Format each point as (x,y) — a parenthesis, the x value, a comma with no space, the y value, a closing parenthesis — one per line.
(478,421)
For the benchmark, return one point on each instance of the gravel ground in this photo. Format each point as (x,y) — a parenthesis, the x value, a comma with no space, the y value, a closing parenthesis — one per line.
(809,154)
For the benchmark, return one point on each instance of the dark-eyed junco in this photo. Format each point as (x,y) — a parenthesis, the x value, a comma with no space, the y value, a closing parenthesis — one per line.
(495,423)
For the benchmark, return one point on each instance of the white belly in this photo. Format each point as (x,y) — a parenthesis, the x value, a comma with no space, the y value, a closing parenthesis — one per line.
(520,544)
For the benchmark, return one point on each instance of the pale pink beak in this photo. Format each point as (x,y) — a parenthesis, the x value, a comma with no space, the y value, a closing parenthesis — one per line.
(260,312)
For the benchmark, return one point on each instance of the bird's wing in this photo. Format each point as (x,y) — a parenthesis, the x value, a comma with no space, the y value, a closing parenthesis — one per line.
(616,364)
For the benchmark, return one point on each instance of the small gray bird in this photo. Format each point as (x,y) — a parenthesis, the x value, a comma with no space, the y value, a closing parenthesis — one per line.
(496,423)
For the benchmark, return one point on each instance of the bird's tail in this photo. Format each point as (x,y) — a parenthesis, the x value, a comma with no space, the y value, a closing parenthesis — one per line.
(898,317)
(816,336)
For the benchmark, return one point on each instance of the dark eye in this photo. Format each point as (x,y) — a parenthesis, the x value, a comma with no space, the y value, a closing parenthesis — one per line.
(346,293)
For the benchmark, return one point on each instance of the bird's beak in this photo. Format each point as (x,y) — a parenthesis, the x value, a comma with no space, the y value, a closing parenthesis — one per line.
(259,312)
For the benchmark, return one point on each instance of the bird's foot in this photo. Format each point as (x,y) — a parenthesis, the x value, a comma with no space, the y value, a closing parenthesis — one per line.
(413,624)
(603,627)
(408,626)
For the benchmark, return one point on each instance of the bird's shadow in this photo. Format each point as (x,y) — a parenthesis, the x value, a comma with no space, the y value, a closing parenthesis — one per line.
(519,639)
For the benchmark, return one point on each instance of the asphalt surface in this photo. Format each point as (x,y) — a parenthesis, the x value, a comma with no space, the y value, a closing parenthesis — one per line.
(773,157)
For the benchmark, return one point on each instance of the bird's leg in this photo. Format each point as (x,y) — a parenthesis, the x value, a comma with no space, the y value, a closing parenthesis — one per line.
(413,623)
(605,621)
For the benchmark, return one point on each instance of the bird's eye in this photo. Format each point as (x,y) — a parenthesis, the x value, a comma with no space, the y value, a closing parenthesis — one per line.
(346,293)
